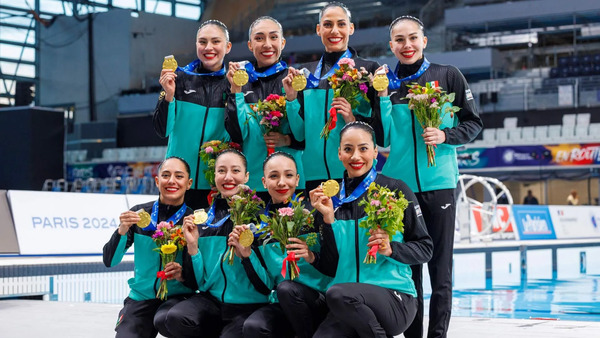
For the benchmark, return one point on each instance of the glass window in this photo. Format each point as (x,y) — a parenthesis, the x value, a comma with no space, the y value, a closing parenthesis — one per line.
(188,12)
(13,52)
(158,7)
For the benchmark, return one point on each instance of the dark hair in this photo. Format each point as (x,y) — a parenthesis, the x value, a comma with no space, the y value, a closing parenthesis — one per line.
(335,4)
(409,18)
(215,23)
(358,125)
(279,153)
(262,18)
(234,151)
(186,165)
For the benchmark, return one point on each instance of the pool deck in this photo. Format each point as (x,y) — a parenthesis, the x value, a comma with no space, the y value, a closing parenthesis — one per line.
(35,318)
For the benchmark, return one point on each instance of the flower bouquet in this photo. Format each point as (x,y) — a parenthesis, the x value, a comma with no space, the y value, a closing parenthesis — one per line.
(269,113)
(347,82)
(285,223)
(169,239)
(427,102)
(208,154)
(385,210)
(243,208)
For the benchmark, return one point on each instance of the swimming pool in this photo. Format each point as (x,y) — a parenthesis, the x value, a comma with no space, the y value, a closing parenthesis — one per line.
(577,299)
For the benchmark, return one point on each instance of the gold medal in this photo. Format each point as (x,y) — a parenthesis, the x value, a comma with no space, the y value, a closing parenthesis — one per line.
(169,63)
(240,77)
(200,216)
(144,218)
(246,238)
(299,82)
(330,188)
(380,82)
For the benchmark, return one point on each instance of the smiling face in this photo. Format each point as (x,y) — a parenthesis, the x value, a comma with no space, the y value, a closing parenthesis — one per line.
(266,42)
(230,172)
(357,151)
(173,181)
(280,178)
(335,29)
(407,41)
(211,47)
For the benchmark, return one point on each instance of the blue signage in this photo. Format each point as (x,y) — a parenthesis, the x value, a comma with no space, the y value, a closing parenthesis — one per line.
(533,222)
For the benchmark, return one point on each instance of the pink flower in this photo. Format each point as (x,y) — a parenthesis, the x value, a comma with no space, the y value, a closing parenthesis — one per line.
(346,61)
(272,97)
(275,123)
(157,234)
(375,203)
(363,87)
(276,113)
(347,77)
(162,225)
(286,212)
(209,150)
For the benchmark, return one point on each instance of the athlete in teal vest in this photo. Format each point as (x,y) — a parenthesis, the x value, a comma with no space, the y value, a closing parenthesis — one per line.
(398,129)
(308,110)
(192,109)
(142,311)
(303,299)
(266,43)
(377,299)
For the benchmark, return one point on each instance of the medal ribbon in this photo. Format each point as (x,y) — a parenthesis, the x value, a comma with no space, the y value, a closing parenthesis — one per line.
(189,69)
(253,75)
(174,218)
(313,79)
(362,187)
(211,217)
(395,82)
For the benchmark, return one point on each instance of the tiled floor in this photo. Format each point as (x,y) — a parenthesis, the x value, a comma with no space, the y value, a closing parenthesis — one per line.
(30,318)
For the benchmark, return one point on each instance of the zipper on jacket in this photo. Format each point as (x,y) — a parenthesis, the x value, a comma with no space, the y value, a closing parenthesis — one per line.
(224,277)
(417,178)
(356,250)
(200,147)
(156,280)
(325,140)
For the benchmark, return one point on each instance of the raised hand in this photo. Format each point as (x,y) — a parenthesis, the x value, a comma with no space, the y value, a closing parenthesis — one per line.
(290,93)
(167,81)
(191,234)
(322,203)
(127,219)
(233,66)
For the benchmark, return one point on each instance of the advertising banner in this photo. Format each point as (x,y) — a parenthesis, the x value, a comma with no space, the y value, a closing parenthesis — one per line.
(503,217)
(533,222)
(530,156)
(575,221)
(49,223)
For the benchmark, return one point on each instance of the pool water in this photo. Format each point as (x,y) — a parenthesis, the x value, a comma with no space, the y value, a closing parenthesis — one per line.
(577,299)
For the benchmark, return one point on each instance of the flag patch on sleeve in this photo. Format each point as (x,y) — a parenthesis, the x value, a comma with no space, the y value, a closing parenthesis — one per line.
(418,210)
(468,94)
